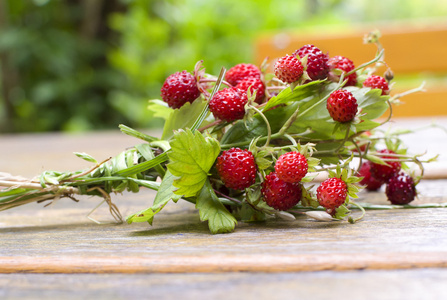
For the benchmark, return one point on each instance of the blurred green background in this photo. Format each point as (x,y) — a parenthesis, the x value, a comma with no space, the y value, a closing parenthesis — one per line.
(76,65)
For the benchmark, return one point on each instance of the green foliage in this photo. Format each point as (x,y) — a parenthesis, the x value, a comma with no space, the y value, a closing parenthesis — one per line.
(213,211)
(57,76)
(191,157)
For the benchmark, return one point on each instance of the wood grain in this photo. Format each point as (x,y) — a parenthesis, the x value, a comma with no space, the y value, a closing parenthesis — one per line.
(223,263)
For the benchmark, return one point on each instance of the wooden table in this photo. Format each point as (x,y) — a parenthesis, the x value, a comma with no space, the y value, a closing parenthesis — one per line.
(57,253)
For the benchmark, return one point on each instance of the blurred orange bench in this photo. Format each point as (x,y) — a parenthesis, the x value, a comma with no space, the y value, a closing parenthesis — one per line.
(414,53)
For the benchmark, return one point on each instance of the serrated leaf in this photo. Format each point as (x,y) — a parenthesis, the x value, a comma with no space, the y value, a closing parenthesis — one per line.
(220,220)
(191,157)
(159,109)
(86,157)
(183,118)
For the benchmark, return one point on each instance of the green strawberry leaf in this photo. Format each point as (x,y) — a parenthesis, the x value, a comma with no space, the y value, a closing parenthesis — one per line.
(298,93)
(146,215)
(164,195)
(182,118)
(191,157)
(160,109)
(220,220)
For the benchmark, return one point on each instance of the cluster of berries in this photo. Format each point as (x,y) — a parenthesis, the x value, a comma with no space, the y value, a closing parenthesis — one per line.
(282,188)
(400,187)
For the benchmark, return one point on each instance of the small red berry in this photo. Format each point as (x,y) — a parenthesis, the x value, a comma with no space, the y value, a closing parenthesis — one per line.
(317,62)
(291,167)
(344,64)
(179,88)
(342,106)
(370,182)
(400,189)
(377,82)
(255,84)
(279,194)
(288,69)
(385,172)
(241,71)
(228,104)
(332,193)
(237,168)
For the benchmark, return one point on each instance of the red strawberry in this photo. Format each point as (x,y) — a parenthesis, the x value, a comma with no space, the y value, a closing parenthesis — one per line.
(317,61)
(344,64)
(228,104)
(400,189)
(279,194)
(370,182)
(255,84)
(377,82)
(237,168)
(241,71)
(291,167)
(342,106)
(332,193)
(288,69)
(385,172)
(179,88)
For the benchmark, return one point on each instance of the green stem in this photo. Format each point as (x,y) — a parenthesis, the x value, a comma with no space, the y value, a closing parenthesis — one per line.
(269,130)
(376,59)
(352,220)
(344,140)
(205,110)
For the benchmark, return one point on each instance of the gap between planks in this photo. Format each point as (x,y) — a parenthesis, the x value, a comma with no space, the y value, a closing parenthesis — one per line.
(224,263)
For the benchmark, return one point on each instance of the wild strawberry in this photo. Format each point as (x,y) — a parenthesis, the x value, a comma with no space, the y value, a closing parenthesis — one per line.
(317,61)
(342,106)
(400,189)
(255,85)
(279,194)
(370,182)
(241,71)
(332,193)
(228,104)
(344,64)
(291,167)
(288,69)
(377,82)
(237,168)
(385,172)
(179,88)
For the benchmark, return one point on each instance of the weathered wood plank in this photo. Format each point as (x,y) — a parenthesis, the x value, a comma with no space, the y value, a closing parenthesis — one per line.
(427,284)
(211,263)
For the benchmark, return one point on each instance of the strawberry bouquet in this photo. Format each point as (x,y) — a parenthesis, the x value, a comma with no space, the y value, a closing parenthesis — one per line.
(248,145)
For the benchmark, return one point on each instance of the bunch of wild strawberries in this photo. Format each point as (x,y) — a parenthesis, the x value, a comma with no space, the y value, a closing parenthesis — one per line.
(281,188)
